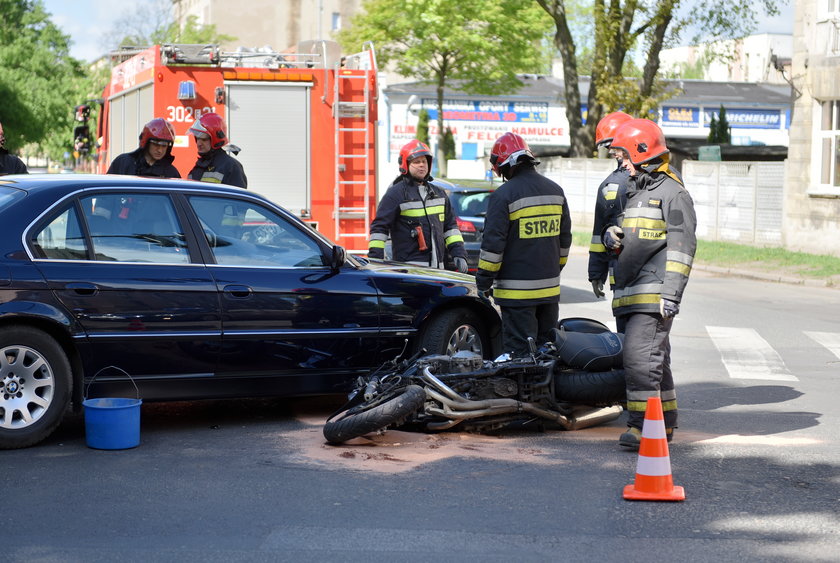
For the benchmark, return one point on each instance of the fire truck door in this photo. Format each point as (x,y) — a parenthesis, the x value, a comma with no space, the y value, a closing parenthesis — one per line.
(270,123)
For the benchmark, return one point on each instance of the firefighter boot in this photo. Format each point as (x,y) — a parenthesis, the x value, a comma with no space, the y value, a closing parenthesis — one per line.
(631,439)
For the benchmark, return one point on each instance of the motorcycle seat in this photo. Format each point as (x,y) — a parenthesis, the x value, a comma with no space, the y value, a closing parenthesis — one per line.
(589,351)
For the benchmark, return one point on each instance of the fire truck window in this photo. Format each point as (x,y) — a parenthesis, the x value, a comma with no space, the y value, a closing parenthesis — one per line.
(61,238)
(246,234)
(135,228)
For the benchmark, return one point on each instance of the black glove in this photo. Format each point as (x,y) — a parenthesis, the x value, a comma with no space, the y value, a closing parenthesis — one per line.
(461,265)
(668,308)
(483,283)
(597,288)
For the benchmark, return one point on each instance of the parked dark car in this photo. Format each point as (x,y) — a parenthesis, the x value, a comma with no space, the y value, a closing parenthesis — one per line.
(470,206)
(197,291)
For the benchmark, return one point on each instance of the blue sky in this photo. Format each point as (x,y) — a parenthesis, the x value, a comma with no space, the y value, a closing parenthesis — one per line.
(86,21)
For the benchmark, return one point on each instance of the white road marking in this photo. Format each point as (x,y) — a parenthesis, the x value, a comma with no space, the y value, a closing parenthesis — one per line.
(746,355)
(830,340)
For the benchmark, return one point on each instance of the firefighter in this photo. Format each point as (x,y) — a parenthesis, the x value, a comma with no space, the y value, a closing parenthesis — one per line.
(609,202)
(417,215)
(214,164)
(526,241)
(154,155)
(9,163)
(656,243)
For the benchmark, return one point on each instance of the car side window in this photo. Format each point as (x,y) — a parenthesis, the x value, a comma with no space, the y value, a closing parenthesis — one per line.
(61,238)
(244,233)
(130,227)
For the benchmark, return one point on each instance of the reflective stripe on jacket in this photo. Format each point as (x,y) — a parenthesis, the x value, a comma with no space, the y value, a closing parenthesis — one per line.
(218,167)
(659,243)
(526,240)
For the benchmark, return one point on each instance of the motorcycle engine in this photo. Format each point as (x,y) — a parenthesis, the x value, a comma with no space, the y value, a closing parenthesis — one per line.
(460,362)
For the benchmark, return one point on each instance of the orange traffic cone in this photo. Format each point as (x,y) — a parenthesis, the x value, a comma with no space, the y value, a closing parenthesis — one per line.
(653,470)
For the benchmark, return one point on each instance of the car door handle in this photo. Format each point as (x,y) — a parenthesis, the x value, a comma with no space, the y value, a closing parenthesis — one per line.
(82,288)
(238,290)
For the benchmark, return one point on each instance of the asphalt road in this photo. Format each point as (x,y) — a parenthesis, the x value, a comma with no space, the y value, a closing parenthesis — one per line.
(757,453)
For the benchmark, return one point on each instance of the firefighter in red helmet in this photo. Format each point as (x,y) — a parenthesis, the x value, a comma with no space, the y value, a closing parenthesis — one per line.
(9,163)
(214,164)
(609,203)
(526,241)
(656,241)
(154,155)
(417,216)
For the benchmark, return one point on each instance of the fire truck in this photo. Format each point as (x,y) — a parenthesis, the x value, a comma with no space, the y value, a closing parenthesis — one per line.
(301,121)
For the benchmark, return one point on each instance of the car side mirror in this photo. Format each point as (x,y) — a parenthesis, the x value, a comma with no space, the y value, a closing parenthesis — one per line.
(337,257)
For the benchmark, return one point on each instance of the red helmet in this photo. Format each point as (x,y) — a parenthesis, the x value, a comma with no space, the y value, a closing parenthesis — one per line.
(508,149)
(642,139)
(158,129)
(211,124)
(605,131)
(413,149)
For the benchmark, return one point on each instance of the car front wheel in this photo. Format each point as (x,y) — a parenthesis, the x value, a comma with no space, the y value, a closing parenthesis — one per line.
(454,331)
(35,386)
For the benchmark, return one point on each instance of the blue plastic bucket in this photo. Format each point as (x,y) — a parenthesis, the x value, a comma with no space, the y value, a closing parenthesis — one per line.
(112,423)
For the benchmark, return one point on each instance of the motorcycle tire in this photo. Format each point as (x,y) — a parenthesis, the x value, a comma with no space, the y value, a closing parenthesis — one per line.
(590,388)
(392,412)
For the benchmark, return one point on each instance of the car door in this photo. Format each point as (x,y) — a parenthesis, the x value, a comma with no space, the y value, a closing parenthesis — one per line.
(284,310)
(121,263)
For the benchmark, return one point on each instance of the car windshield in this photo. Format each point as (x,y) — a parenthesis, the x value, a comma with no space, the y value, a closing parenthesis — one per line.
(8,195)
(470,204)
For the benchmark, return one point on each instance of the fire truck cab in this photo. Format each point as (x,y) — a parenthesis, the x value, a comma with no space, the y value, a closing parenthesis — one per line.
(301,121)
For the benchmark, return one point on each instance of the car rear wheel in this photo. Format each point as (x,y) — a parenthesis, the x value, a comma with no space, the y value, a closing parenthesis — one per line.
(454,331)
(35,386)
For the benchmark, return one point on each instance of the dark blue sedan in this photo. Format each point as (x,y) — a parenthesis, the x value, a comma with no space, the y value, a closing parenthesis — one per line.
(193,292)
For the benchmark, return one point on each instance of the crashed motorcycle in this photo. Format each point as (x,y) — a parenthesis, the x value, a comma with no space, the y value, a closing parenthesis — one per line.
(573,382)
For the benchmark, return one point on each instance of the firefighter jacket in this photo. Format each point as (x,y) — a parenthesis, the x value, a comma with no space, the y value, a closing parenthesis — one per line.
(526,241)
(11,164)
(219,167)
(135,164)
(659,242)
(402,211)
(609,203)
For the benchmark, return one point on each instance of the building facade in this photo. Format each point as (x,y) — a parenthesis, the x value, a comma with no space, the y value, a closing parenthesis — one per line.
(276,23)
(812,194)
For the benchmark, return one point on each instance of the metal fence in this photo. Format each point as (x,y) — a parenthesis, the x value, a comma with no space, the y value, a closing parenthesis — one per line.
(737,202)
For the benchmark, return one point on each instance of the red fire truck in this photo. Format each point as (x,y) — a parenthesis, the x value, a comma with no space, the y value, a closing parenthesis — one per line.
(303,120)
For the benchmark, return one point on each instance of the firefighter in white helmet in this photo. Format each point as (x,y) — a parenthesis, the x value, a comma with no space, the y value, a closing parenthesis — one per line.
(656,243)
(214,164)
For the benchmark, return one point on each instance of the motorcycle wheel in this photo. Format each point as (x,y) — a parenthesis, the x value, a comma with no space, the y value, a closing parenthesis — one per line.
(590,388)
(370,418)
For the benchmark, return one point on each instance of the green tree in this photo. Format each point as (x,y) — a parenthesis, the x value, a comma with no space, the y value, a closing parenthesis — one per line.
(448,144)
(719,131)
(423,126)
(37,79)
(476,46)
(618,27)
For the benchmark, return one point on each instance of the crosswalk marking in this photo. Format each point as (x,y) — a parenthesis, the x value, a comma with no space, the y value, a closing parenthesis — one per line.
(746,355)
(830,340)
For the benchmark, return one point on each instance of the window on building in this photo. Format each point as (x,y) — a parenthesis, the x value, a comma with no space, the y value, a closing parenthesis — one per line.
(336,21)
(829,144)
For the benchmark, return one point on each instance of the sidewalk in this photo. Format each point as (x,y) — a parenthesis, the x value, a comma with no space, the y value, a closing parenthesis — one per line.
(749,273)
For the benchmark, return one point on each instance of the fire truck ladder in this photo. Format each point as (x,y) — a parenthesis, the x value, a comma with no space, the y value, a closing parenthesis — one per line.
(345,110)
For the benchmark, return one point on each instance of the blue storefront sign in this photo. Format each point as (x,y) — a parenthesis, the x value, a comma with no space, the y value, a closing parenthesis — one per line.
(474,110)
(749,118)
(680,116)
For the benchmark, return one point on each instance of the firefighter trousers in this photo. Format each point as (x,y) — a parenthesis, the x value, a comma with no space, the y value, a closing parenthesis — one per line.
(518,323)
(647,366)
